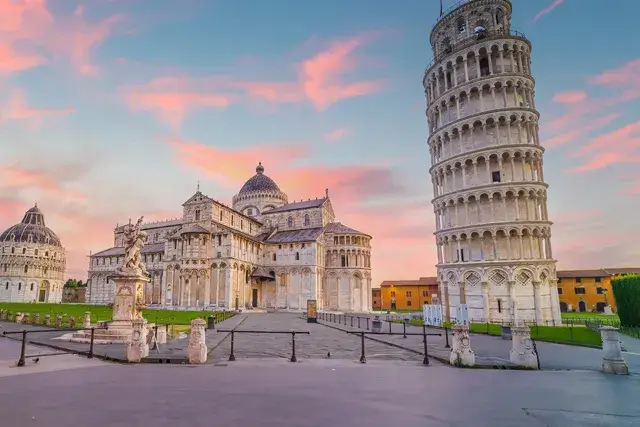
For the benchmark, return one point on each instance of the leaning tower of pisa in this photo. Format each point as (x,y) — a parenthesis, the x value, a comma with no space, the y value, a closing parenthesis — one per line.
(490,198)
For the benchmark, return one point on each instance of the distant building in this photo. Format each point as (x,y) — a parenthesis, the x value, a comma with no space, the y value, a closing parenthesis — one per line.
(32,261)
(407,294)
(376,299)
(261,252)
(589,290)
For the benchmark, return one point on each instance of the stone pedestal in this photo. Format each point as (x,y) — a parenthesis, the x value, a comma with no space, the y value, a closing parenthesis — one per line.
(127,307)
(162,334)
(522,352)
(47,320)
(19,317)
(138,348)
(86,321)
(461,353)
(58,323)
(607,310)
(612,360)
(36,319)
(197,350)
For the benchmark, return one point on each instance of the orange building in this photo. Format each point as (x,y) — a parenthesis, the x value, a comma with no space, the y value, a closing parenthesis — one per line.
(376,298)
(406,294)
(588,290)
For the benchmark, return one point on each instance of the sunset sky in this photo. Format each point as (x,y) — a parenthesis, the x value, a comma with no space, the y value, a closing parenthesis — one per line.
(113,109)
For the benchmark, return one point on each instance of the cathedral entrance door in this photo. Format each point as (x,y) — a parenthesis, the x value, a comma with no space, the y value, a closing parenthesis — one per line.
(42,295)
(254,297)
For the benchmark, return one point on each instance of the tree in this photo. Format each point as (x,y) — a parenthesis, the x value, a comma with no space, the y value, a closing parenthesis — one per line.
(71,283)
(626,291)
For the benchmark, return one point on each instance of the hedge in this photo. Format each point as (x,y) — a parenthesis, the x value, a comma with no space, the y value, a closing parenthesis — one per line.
(626,291)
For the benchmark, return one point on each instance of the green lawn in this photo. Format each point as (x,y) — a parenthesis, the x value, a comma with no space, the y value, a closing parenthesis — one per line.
(103,312)
(584,315)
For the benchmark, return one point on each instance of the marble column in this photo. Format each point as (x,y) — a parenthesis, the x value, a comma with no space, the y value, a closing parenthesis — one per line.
(485,300)
(537,302)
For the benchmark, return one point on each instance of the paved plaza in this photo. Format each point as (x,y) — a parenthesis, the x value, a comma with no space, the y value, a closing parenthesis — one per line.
(58,392)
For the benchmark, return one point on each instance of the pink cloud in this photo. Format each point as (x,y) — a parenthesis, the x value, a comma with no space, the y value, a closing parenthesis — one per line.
(320,80)
(321,75)
(548,9)
(570,97)
(336,135)
(573,134)
(29,23)
(19,110)
(18,178)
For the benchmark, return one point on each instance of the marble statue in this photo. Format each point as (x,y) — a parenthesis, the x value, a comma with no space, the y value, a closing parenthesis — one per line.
(134,239)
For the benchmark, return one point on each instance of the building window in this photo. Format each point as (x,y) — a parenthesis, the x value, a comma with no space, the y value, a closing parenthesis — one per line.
(274,257)
(484,66)
(425,293)
(393,294)
(279,246)
(290,222)
(343,260)
(499,306)
(297,256)
(36,252)
(303,246)
(31,287)
(408,303)
(579,291)
(241,224)
(578,279)
(600,290)
(232,218)
(495,176)
(19,286)
(408,294)
(46,253)
(13,250)
(425,302)
(219,240)
(335,240)
(250,211)
(6,286)
(307,220)
(559,291)
(598,279)
(462,26)
(26,268)
(197,214)
(220,215)
(24,251)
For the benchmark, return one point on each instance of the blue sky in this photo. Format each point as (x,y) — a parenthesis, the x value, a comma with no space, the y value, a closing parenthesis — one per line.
(105,102)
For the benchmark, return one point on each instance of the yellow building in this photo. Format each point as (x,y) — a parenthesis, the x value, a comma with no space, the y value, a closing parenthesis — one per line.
(588,290)
(407,294)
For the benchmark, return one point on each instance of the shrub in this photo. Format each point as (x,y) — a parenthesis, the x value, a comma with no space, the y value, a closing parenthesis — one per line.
(626,291)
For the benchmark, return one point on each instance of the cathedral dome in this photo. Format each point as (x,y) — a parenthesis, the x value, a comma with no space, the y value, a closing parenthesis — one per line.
(32,229)
(259,182)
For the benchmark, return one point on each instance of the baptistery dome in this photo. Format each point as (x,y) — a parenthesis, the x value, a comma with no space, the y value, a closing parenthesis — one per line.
(32,261)
(32,229)
(259,194)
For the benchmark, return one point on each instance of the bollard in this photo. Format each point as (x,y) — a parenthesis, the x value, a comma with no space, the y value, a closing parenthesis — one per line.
(21,361)
(389,326)
(90,355)
(232,357)
(293,347)
(404,330)
(425,361)
(612,360)
(446,337)
(363,358)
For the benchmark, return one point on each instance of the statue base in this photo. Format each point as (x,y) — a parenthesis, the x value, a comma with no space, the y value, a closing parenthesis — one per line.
(128,304)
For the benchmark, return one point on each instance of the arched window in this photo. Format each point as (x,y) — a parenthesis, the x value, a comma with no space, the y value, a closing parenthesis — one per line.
(250,211)
(232,219)
(24,251)
(247,277)
(26,268)
(220,215)
(297,256)
(499,17)
(307,220)
(484,66)
(13,250)
(197,214)
(31,287)
(290,222)
(6,286)
(274,257)
(36,252)
(461,25)
(19,286)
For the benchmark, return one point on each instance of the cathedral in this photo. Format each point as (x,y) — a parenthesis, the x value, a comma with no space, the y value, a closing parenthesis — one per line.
(262,253)
(32,261)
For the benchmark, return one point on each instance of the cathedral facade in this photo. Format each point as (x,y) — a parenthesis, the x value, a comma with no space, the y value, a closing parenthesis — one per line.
(32,261)
(263,252)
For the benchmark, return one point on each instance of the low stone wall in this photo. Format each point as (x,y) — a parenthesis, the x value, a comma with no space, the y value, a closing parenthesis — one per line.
(76,295)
